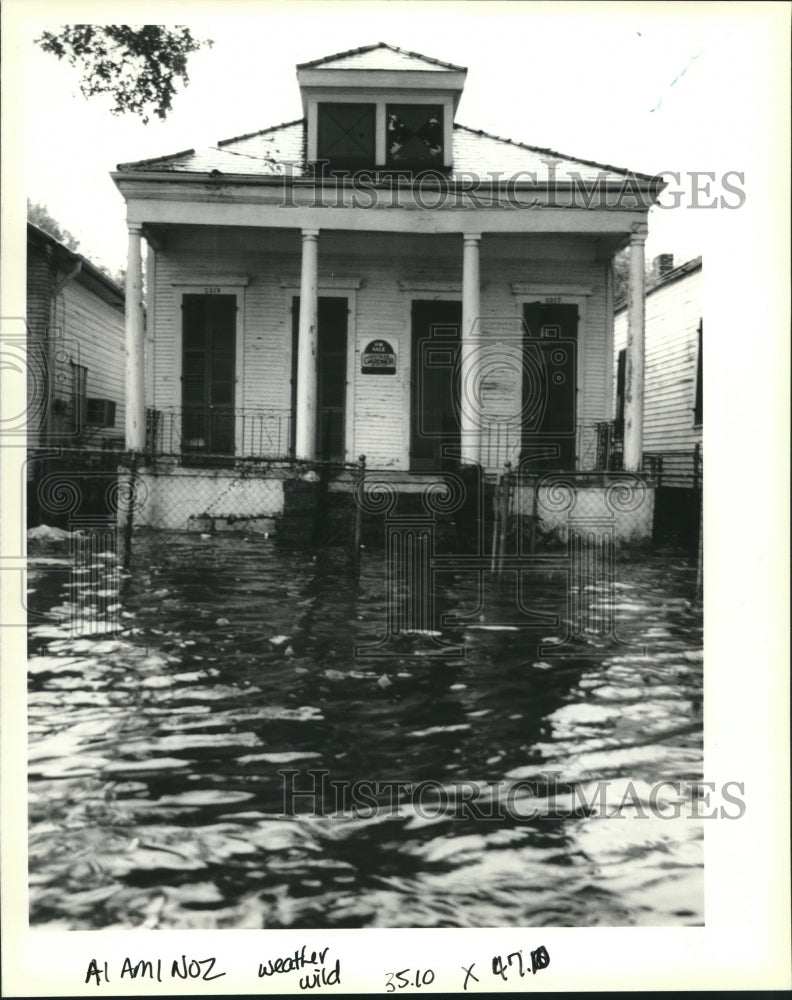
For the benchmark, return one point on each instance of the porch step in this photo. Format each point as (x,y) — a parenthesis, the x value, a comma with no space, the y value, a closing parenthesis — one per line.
(320,514)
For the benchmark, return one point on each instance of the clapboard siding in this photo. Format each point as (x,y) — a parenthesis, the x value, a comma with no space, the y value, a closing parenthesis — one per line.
(76,326)
(94,331)
(380,274)
(41,273)
(673,315)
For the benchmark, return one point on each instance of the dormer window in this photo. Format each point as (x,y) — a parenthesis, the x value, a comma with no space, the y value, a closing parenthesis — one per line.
(415,135)
(346,134)
(380,108)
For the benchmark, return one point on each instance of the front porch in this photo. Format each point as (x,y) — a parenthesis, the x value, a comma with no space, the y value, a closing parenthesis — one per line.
(259,490)
(407,364)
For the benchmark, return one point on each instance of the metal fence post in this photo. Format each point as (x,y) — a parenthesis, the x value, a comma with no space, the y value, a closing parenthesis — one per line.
(356,532)
(130,511)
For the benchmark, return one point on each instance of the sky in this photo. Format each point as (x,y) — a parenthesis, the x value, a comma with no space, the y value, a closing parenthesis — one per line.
(651,87)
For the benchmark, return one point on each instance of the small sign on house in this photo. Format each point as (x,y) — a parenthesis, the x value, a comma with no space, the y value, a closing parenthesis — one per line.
(378,358)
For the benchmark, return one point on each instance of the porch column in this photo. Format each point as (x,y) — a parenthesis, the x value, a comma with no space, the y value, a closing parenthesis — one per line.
(135,424)
(634,368)
(305,416)
(468,376)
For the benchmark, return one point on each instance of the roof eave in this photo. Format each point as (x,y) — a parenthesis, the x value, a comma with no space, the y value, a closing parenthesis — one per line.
(114,293)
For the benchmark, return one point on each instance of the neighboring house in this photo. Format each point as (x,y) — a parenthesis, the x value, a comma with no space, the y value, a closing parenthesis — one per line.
(75,347)
(374,278)
(673,392)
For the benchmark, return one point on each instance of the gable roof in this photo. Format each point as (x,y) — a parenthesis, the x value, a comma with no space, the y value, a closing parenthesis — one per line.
(380,56)
(89,273)
(281,150)
(658,283)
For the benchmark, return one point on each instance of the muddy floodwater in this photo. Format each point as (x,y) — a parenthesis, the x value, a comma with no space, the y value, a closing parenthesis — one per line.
(167,743)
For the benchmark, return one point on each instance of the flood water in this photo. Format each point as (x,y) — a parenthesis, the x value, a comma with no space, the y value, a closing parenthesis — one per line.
(155,798)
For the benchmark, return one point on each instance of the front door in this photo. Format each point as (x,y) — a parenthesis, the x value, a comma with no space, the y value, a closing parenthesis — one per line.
(331,376)
(550,375)
(434,386)
(208,373)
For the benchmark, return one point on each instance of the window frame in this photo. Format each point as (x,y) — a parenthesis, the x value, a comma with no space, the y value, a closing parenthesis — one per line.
(79,393)
(365,161)
(436,163)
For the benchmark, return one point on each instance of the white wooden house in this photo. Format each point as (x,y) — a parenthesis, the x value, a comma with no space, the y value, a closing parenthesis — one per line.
(75,344)
(75,321)
(673,390)
(377,278)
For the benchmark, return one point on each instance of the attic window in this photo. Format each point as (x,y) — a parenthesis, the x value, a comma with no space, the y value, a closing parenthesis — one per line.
(415,134)
(346,134)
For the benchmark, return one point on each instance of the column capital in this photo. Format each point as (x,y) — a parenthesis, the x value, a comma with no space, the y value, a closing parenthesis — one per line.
(639,232)
(471,237)
(310,234)
(135,228)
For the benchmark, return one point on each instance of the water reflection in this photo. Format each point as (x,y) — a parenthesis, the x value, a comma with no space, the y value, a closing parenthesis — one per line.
(155,793)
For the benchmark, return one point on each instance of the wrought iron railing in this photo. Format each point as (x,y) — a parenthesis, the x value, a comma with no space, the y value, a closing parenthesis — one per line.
(219,431)
(677,469)
(598,447)
(610,445)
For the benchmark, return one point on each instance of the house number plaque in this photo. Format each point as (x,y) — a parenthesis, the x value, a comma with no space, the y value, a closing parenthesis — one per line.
(378,358)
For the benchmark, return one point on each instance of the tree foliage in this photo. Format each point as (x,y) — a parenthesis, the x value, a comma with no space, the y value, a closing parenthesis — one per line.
(621,275)
(39,215)
(138,67)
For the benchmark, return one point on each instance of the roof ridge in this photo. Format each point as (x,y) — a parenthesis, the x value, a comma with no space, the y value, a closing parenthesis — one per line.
(261,131)
(335,56)
(552,152)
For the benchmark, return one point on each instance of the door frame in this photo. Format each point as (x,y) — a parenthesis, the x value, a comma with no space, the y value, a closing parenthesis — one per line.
(420,293)
(343,289)
(221,286)
(576,295)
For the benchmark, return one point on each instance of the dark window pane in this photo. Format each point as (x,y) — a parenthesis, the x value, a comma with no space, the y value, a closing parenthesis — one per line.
(621,367)
(415,134)
(79,396)
(346,133)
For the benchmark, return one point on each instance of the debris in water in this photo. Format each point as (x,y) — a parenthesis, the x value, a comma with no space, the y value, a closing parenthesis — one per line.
(222,621)
(385,681)
(278,640)
(496,628)
(49,533)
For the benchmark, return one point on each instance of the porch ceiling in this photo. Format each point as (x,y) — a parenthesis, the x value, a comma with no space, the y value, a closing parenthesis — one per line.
(356,244)
(229,208)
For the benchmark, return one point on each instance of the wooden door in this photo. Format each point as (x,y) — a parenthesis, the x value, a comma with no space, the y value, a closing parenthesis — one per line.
(208,373)
(550,376)
(331,376)
(434,386)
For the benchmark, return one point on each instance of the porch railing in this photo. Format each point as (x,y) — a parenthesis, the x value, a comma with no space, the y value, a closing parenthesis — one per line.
(598,446)
(677,469)
(219,431)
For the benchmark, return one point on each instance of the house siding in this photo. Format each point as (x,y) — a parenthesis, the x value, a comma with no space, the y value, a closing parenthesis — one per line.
(78,327)
(41,273)
(95,332)
(673,315)
(380,274)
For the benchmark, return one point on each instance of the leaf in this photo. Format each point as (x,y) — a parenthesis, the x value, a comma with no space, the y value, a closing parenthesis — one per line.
(138,67)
